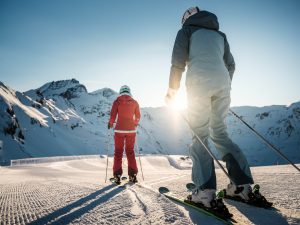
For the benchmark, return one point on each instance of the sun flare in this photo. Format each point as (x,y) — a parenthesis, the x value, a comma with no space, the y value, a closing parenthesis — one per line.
(179,103)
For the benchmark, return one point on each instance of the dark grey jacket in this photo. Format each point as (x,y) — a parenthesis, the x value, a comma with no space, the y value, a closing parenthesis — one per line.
(205,50)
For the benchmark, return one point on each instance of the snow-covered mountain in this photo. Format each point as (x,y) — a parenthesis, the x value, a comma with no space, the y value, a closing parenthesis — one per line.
(62,118)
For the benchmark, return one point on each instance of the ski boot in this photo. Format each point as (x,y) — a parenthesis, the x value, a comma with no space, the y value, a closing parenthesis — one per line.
(133,179)
(244,193)
(117,179)
(241,191)
(206,199)
(257,199)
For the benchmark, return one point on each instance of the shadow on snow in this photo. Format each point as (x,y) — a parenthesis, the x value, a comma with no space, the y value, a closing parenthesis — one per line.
(76,209)
(259,215)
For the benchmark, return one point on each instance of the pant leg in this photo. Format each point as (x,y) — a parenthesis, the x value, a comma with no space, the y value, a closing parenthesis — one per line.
(119,148)
(236,162)
(129,148)
(203,171)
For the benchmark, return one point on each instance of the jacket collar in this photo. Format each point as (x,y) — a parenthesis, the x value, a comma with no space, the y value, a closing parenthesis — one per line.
(125,94)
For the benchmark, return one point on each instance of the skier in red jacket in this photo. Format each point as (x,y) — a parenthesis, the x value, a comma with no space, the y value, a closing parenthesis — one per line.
(127,112)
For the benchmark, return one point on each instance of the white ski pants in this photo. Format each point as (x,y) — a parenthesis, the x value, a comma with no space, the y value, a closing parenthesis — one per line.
(207,113)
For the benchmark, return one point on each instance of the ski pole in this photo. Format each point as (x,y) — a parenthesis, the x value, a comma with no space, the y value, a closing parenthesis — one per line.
(137,146)
(207,149)
(107,157)
(265,140)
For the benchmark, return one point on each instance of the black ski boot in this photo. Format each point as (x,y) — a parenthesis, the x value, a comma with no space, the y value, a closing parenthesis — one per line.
(133,178)
(117,179)
(257,199)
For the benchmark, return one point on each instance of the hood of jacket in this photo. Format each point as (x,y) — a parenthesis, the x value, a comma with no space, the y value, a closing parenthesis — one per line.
(124,98)
(203,19)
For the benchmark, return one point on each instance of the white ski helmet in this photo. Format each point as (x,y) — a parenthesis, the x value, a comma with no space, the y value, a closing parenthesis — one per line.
(125,90)
(189,12)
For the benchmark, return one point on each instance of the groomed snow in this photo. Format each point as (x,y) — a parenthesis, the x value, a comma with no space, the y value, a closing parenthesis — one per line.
(74,192)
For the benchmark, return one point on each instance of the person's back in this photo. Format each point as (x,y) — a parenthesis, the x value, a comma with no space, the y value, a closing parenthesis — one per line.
(206,66)
(204,49)
(206,52)
(127,108)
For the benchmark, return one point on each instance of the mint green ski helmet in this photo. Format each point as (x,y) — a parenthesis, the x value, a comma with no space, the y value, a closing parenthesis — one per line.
(125,90)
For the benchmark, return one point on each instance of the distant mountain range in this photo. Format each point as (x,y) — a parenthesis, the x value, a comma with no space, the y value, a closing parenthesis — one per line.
(62,118)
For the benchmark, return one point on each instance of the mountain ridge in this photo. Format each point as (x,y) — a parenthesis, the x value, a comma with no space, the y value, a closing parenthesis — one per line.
(62,118)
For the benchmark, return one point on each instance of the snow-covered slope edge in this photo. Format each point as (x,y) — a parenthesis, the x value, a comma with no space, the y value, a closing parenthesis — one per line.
(62,118)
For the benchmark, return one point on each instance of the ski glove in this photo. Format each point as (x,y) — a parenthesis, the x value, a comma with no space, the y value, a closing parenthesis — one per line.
(170,96)
(109,126)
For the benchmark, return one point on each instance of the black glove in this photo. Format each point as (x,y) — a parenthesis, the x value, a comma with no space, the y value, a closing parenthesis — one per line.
(108,126)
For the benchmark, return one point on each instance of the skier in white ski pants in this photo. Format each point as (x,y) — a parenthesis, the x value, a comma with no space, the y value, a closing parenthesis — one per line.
(201,47)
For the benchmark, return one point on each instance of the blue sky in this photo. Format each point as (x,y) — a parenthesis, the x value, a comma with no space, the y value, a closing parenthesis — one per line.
(111,43)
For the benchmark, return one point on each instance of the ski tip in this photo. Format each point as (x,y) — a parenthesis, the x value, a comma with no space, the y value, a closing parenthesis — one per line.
(163,190)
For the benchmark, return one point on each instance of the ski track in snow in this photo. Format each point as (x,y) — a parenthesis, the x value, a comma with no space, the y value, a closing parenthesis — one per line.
(74,192)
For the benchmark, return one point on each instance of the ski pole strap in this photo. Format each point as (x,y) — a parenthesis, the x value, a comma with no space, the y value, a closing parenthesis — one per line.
(265,140)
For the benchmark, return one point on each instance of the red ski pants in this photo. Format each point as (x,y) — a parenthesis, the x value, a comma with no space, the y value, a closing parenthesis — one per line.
(126,140)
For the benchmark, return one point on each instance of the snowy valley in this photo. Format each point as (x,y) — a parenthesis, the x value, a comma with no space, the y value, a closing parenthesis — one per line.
(62,118)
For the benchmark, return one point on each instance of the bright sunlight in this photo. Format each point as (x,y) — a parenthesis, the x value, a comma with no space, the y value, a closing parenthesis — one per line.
(179,102)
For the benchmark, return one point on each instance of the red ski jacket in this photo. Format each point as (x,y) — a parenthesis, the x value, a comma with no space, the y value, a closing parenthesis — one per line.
(128,111)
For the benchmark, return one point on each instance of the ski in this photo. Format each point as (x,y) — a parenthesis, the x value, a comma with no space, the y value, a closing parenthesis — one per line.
(255,198)
(166,192)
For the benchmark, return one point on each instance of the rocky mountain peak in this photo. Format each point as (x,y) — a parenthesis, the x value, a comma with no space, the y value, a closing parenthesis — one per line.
(105,92)
(66,88)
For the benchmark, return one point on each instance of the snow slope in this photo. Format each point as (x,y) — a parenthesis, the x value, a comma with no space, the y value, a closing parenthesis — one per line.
(74,192)
(62,118)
